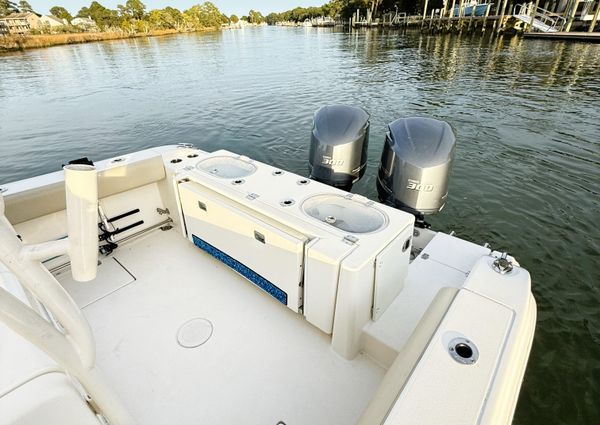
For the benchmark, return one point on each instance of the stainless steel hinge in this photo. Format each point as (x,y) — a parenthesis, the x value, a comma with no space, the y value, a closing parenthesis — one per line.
(185,145)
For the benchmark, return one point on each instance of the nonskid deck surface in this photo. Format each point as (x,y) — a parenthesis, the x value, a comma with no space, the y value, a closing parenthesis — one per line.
(262,364)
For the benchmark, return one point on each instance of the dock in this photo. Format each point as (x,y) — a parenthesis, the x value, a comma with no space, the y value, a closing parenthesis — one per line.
(592,37)
(553,21)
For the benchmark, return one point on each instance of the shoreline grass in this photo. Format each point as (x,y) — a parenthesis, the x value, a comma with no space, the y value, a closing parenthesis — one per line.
(19,43)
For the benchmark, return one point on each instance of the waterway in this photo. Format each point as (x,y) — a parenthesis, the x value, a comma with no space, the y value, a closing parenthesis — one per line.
(526,114)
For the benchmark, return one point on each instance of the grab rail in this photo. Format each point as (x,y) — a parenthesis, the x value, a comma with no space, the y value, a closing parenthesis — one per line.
(72,347)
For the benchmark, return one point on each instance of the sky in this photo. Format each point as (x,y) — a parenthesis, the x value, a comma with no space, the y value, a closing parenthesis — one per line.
(239,7)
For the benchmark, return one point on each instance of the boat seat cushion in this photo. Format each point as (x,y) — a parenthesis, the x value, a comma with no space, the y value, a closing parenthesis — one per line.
(397,375)
(49,399)
(46,199)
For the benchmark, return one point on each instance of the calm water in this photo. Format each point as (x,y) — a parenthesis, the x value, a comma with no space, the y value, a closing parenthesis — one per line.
(526,114)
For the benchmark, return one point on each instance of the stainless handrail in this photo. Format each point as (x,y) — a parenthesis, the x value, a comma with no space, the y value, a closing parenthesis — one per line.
(542,16)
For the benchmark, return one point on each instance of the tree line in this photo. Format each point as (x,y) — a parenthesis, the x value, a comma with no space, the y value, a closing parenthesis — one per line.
(133,16)
(7,7)
(344,9)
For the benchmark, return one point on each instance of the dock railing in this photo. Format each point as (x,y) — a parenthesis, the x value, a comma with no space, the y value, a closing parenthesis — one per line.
(539,19)
(399,19)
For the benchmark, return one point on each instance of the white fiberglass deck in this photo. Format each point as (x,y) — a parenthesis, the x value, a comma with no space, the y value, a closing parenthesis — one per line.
(263,363)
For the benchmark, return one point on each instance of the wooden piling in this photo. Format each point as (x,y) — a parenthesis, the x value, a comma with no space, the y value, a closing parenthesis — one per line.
(461,13)
(424,14)
(532,14)
(471,18)
(595,18)
(501,23)
(431,19)
(498,3)
(451,15)
(485,17)
(571,14)
(442,15)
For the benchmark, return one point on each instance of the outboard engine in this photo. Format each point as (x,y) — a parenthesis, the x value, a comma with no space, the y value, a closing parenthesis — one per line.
(415,164)
(338,146)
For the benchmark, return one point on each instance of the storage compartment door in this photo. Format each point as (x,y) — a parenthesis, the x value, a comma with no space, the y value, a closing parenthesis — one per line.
(391,267)
(268,256)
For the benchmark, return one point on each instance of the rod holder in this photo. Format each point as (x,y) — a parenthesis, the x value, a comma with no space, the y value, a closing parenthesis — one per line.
(81,188)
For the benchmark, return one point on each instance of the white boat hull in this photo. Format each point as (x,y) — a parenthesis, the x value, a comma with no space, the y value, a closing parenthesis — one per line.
(366,333)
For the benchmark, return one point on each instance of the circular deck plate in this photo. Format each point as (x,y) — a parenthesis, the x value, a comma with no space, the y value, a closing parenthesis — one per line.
(194,333)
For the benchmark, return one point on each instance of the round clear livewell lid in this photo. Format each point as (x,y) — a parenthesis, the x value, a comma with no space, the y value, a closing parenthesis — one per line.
(226,167)
(344,213)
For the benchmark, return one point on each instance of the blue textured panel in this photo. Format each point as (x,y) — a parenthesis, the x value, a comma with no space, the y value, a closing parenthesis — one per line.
(248,273)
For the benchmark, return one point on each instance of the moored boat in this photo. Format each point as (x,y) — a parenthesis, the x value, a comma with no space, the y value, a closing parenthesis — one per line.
(175,285)
(323,21)
(478,9)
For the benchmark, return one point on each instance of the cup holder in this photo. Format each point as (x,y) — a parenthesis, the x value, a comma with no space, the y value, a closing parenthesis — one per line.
(277,173)
(237,182)
(175,161)
(287,202)
(406,245)
(193,155)
(303,182)
(463,351)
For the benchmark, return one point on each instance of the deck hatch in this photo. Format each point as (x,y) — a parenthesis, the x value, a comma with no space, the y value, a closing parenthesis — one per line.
(242,269)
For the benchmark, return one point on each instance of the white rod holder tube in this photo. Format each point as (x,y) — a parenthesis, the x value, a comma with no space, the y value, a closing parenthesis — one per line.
(81,187)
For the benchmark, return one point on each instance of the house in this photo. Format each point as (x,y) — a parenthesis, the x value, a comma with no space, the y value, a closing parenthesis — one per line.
(3,29)
(21,23)
(86,23)
(53,21)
